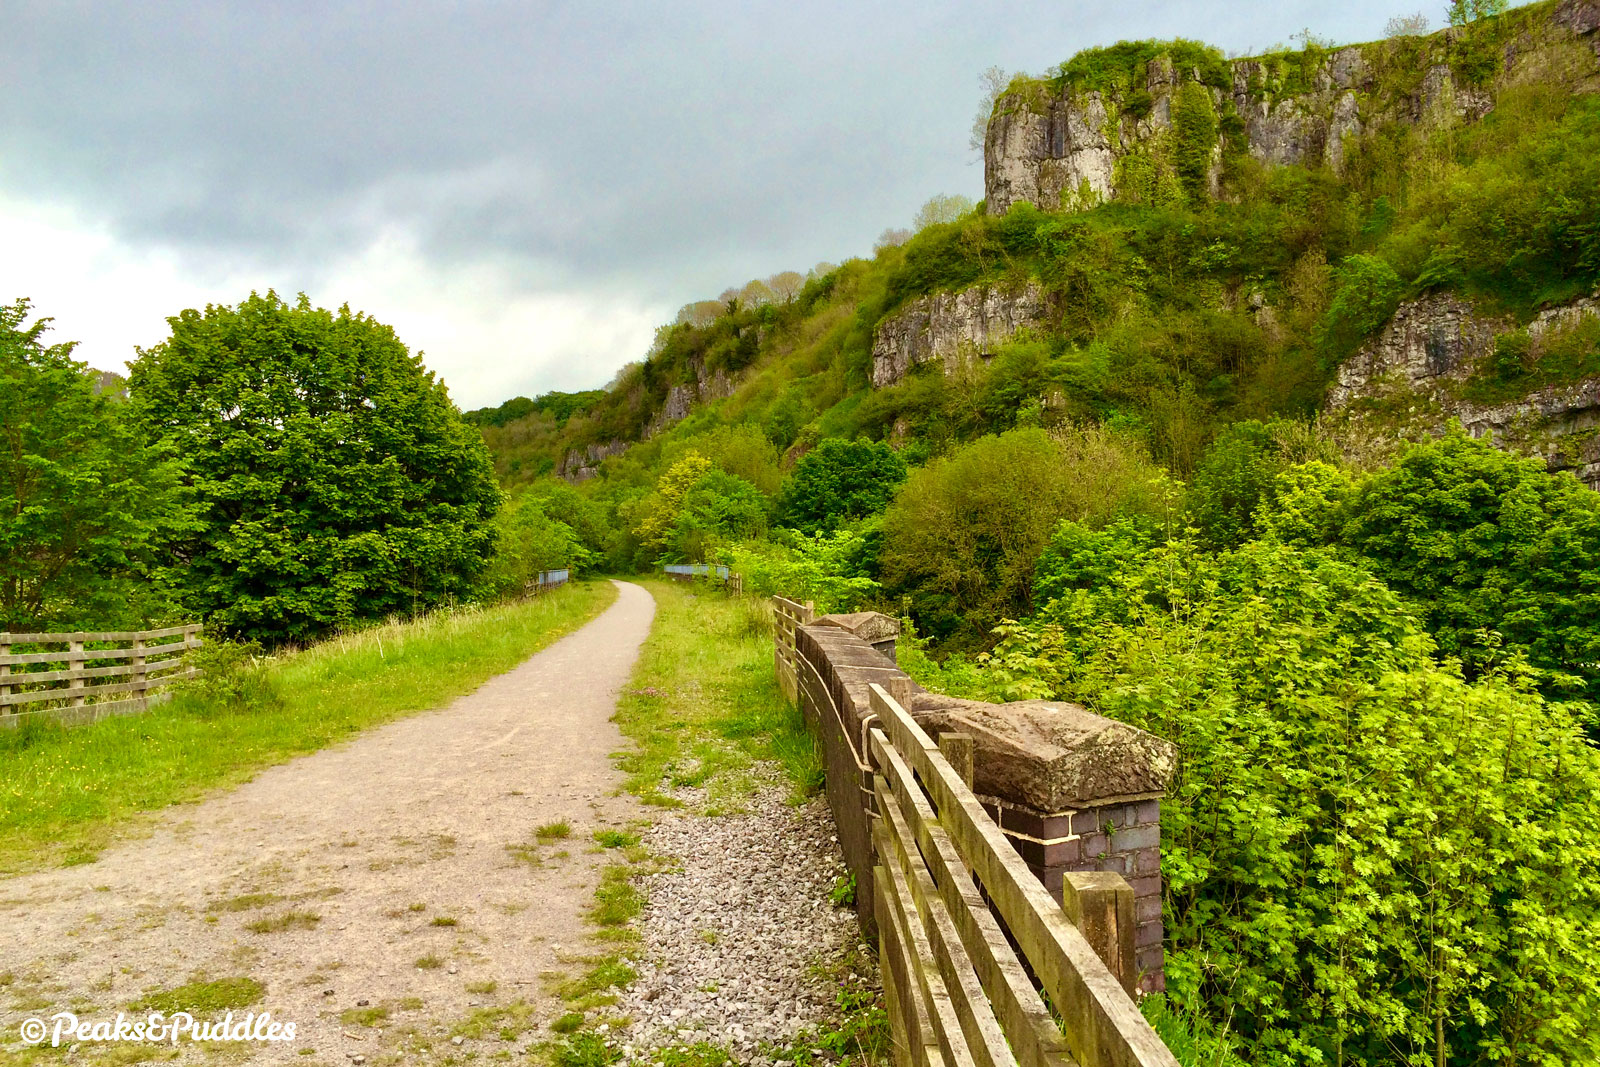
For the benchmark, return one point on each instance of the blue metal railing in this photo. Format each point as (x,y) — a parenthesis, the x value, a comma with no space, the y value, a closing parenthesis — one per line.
(694,569)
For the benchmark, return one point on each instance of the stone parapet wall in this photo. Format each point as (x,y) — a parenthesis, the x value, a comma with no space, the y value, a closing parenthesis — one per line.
(1072,791)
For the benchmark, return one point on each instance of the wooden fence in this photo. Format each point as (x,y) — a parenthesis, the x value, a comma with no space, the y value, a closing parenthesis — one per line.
(949,889)
(788,616)
(94,676)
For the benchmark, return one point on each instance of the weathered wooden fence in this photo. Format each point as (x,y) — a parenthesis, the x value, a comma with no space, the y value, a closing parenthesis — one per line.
(788,616)
(94,676)
(949,889)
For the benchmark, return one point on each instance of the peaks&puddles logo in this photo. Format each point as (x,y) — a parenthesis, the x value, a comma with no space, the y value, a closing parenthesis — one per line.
(156,1028)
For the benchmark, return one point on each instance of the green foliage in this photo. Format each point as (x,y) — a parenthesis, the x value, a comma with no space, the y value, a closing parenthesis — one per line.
(1192,1039)
(1368,859)
(829,569)
(558,406)
(1240,472)
(1465,11)
(1500,557)
(1122,66)
(963,535)
(529,540)
(839,482)
(1194,134)
(1368,292)
(335,481)
(83,502)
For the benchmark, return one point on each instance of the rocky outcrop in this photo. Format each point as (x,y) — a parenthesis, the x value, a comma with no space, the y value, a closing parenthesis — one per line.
(952,327)
(1416,376)
(681,398)
(1055,145)
(580,465)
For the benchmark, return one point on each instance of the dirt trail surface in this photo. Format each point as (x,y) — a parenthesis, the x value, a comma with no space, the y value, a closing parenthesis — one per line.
(329,878)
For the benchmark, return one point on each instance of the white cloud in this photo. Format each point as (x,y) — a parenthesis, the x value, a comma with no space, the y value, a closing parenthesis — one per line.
(486,336)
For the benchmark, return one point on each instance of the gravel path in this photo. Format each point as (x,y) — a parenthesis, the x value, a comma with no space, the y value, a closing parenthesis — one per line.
(328,879)
(742,947)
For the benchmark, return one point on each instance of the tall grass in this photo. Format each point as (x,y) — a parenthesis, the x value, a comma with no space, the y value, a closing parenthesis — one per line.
(704,704)
(65,791)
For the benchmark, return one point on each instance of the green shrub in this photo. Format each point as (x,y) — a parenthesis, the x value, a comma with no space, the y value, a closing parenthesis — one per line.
(1367,858)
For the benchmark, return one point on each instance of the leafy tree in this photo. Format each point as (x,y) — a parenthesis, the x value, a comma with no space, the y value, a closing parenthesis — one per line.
(991,83)
(840,481)
(786,285)
(946,207)
(822,567)
(719,508)
(660,511)
(1240,471)
(81,498)
(529,540)
(1414,25)
(1465,11)
(1368,292)
(1496,553)
(335,480)
(963,535)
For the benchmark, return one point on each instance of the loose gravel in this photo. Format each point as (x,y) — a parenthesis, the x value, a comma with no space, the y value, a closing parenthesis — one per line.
(742,946)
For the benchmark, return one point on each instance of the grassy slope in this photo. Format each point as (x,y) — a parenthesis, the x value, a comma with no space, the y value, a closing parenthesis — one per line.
(64,793)
(704,703)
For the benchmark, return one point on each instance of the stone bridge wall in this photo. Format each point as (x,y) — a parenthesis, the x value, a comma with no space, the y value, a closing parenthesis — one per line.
(1071,790)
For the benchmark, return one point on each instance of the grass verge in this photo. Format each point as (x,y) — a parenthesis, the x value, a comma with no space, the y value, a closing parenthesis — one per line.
(704,703)
(64,792)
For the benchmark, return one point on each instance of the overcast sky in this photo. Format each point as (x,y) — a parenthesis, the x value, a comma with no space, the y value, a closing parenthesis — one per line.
(523,190)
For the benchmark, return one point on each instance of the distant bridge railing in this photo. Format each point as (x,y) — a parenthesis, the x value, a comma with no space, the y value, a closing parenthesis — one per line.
(95,676)
(714,572)
(550,579)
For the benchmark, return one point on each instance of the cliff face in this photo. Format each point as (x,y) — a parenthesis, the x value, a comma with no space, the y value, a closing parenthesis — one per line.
(951,327)
(1420,372)
(1052,144)
(681,398)
(581,464)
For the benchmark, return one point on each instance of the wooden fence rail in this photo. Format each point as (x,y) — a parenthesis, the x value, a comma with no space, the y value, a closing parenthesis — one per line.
(950,889)
(788,616)
(73,684)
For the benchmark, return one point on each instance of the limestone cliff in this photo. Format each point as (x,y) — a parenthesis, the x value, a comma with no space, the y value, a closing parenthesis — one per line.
(952,327)
(581,464)
(1435,360)
(1054,142)
(681,398)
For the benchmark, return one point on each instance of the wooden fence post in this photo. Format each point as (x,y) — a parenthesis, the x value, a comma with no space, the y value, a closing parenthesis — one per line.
(1100,905)
(5,672)
(138,665)
(75,664)
(959,749)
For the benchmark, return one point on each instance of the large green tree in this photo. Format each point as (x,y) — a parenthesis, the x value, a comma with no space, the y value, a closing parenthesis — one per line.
(80,497)
(840,481)
(336,480)
(1496,553)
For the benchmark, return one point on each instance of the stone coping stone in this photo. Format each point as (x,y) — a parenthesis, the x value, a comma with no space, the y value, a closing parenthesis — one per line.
(870,626)
(1050,755)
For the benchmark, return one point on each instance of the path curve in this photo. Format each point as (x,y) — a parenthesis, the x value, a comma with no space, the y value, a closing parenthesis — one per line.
(420,811)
